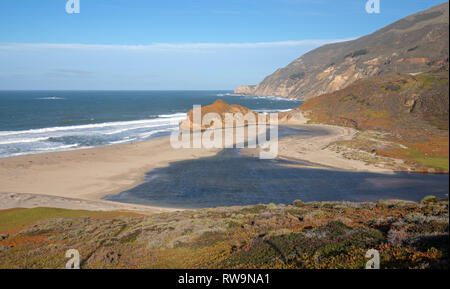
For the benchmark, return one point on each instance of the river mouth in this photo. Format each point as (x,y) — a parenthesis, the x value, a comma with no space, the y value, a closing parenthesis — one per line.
(233,179)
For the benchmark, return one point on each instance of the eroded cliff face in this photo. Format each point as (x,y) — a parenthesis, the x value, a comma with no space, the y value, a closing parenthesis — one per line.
(245,89)
(414,44)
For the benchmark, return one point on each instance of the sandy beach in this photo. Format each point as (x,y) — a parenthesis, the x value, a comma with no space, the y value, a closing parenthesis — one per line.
(88,174)
(81,178)
(313,149)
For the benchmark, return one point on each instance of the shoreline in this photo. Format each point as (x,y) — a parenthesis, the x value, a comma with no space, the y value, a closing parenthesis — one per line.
(88,175)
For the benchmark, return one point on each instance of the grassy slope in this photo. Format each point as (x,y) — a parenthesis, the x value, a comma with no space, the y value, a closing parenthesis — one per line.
(409,110)
(312,235)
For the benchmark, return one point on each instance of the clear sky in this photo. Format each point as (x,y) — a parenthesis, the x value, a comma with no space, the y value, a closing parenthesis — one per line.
(173,44)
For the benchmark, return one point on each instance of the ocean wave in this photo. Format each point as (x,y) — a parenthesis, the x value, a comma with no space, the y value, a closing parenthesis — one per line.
(58,147)
(50,98)
(174,115)
(271,97)
(122,141)
(229,94)
(25,140)
(95,125)
(267,97)
(132,128)
(147,134)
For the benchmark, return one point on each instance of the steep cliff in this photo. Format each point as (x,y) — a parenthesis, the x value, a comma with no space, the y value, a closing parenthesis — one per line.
(413,44)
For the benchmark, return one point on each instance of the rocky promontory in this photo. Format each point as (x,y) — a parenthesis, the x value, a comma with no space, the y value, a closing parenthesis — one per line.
(214,116)
(245,89)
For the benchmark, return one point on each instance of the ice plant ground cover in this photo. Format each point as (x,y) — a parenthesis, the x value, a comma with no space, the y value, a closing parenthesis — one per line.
(301,235)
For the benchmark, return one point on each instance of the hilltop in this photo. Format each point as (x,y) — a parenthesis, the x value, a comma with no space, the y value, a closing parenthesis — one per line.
(414,44)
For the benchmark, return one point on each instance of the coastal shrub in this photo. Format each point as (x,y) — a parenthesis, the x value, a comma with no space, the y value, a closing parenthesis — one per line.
(298,203)
(408,236)
(356,53)
(327,205)
(335,228)
(297,76)
(233,224)
(428,199)
(392,87)
(254,209)
(271,206)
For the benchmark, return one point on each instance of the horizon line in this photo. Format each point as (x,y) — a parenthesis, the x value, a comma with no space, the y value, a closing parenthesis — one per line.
(186,45)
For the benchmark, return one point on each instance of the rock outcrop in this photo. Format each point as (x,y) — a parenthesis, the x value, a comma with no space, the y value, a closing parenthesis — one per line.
(214,116)
(245,89)
(295,116)
(414,44)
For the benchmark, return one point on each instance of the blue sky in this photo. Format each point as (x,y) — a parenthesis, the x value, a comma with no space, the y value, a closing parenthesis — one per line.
(186,44)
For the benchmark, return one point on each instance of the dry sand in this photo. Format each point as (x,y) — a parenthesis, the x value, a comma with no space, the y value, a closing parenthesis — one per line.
(87,174)
(79,179)
(313,149)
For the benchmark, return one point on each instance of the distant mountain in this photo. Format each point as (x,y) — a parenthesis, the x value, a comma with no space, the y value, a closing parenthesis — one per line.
(413,44)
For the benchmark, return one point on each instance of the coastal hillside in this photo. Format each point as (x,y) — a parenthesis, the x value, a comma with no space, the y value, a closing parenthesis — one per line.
(414,44)
(409,110)
(301,235)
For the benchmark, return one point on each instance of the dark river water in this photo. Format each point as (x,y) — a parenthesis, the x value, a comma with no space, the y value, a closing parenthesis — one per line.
(230,178)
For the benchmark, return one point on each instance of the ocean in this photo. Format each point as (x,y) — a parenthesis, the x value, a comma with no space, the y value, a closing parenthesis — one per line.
(47,121)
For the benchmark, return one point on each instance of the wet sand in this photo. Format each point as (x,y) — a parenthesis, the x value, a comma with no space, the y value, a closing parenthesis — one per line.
(87,174)
(91,174)
(233,179)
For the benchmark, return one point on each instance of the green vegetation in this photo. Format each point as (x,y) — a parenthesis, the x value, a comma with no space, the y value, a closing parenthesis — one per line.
(298,203)
(410,111)
(379,114)
(430,80)
(429,198)
(392,87)
(440,163)
(302,235)
(426,160)
(297,76)
(18,218)
(356,53)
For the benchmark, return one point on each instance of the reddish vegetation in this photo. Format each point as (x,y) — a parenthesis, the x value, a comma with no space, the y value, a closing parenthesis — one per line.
(220,108)
(301,235)
(411,110)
